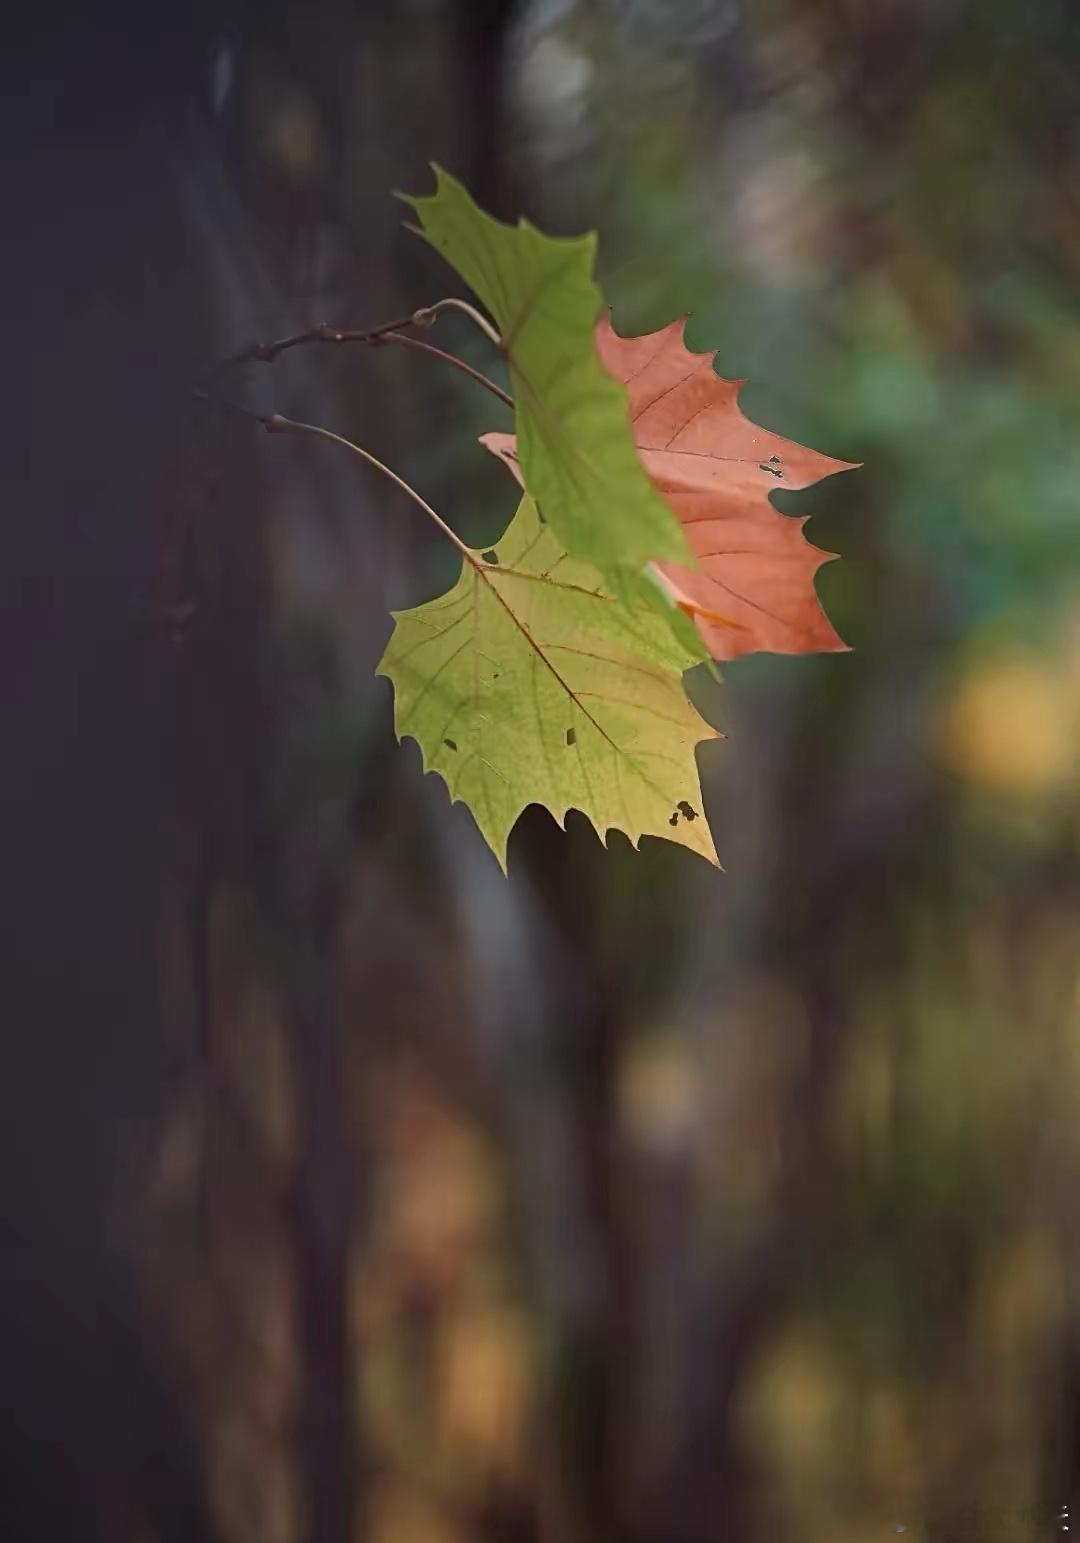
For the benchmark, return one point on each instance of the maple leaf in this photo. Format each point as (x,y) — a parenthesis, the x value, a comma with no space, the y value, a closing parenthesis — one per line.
(753,587)
(577,453)
(528,682)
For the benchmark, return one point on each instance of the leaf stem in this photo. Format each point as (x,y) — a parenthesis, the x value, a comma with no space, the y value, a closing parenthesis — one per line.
(476,317)
(274,423)
(458,364)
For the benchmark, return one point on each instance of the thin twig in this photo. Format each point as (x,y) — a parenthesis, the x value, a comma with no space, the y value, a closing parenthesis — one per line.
(323,332)
(266,353)
(275,423)
(476,317)
(458,364)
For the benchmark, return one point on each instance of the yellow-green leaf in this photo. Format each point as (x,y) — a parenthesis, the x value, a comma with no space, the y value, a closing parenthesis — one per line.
(529,683)
(573,430)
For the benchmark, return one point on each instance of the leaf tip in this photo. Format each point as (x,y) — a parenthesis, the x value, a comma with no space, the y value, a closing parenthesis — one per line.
(444,182)
(498,844)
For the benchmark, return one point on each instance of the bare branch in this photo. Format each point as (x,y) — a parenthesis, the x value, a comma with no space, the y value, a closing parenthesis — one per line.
(266,353)
(385,332)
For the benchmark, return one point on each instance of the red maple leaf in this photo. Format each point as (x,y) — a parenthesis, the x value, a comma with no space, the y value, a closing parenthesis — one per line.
(753,587)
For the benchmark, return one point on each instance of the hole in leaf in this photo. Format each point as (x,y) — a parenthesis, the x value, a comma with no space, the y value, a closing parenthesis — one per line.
(688,810)
(450,745)
(674,817)
(571,736)
(772,465)
(490,557)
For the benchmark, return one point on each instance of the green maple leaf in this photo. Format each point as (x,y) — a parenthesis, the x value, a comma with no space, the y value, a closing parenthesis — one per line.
(573,431)
(529,683)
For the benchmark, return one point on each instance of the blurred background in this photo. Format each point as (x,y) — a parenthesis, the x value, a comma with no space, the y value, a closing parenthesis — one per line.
(352,1193)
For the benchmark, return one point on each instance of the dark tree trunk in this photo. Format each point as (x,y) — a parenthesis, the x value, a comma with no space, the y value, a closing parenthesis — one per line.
(103,314)
(328,1446)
